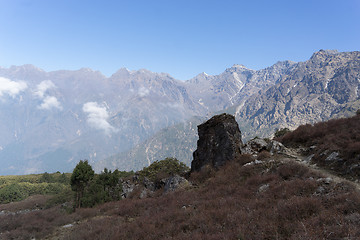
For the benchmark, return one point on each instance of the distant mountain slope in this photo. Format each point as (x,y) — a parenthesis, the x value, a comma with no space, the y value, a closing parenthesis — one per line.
(234,85)
(311,91)
(287,94)
(175,141)
(56,118)
(50,119)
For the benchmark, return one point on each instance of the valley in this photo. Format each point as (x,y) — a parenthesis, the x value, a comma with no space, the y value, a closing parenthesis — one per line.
(51,120)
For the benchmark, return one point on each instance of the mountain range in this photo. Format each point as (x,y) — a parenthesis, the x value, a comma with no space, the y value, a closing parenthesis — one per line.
(51,120)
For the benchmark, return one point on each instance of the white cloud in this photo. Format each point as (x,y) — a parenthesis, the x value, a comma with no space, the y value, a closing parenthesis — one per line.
(143,92)
(50,102)
(97,117)
(43,87)
(11,88)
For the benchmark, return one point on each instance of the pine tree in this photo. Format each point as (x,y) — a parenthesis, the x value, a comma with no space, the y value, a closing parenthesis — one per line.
(80,178)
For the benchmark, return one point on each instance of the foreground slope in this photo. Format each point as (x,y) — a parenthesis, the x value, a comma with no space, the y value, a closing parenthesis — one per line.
(271,198)
(334,145)
(260,196)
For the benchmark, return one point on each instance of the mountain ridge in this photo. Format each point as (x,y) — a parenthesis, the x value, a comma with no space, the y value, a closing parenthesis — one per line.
(82,114)
(298,96)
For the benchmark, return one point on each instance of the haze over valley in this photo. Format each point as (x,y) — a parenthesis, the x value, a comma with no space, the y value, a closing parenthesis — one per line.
(51,120)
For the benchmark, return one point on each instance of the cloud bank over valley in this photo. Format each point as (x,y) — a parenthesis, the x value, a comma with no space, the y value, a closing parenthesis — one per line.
(11,88)
(98,117)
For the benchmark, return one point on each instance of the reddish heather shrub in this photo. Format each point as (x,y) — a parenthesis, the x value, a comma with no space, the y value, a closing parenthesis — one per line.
(87,212)
(33,224)
(245,158)
(292,170)
(298,208)
(203,175)
(263,155)
(336,135)
(228,204)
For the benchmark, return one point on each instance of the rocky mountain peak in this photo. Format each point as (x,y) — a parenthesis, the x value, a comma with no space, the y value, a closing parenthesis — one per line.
(200,78)
(323,54)
(283,64)
(238,68)
(121,73)
(143,74)
(26,67)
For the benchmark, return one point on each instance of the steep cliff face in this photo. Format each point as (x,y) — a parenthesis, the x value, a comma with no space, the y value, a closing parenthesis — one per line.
(219,142)
(286,94)
(234,85)
(308,92)
(50,120)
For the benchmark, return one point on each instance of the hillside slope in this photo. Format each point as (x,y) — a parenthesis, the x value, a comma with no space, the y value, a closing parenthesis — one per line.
(287,94)
(50,120)
(176,141)
(271,198)
(311,91)
(266,195)
(334,145)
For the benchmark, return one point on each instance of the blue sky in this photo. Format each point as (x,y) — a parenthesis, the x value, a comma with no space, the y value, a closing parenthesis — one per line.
(182,38)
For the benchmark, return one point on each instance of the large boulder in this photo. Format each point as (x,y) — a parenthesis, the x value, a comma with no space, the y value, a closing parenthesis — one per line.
(219,142)
(254,146)
(175,182)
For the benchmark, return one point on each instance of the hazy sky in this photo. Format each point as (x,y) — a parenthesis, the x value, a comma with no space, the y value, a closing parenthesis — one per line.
(179,37)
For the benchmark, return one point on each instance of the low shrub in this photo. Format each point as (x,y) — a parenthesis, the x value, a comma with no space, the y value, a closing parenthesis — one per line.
(263,155)
(245,158)
(281,132)
(234,202)
(164,168)
(341,136)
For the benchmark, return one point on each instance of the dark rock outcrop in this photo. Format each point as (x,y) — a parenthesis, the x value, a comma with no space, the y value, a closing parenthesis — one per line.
(219,142)
(256,145)
(137,188)
(128,187)
(175,182)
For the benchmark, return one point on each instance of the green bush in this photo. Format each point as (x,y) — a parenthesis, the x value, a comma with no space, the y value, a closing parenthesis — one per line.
(281,132)
(92,189)
(65,196)
(164,168)
(17,188)
(11,193)
(105,187)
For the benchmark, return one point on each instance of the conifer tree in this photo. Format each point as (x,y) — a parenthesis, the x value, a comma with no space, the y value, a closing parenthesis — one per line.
(80,178)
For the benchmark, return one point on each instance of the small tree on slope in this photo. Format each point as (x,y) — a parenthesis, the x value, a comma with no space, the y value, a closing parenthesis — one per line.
(80,178)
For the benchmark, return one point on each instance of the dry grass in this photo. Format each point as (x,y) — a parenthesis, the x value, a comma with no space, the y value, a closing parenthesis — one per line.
(32,202)
(337,135)
(259,201)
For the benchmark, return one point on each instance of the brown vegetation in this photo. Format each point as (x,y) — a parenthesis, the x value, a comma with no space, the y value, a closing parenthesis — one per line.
(238,202)
(339,136)
(268,200)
